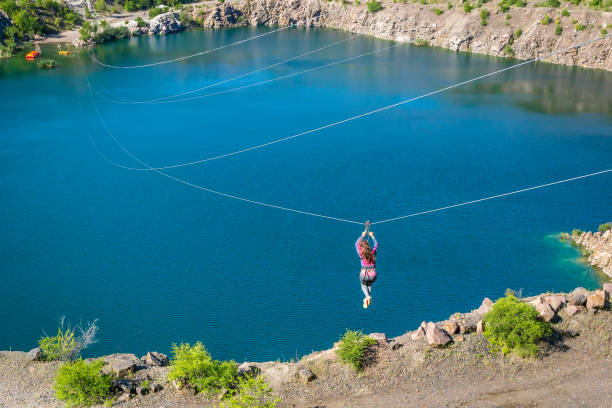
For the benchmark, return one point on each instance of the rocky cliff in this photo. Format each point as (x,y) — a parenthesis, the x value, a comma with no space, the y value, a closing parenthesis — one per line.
(599,247)
(520,32)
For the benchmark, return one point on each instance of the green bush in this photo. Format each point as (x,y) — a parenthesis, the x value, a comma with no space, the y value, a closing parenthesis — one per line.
(509,51)
(580,27)
(576,232)
(449,5)
(438,11)
(111,33)
(546,20)
(60,347)
(484,14)
(140,22)
(514,326)
(100,6)
(549,3)
(374,6)
(251,393)
(565,13)
(352,348)
(154,12)
(467,7)
(193,365)
(419,42)
(82,384)
(46,64)
(518,33)
(604,227)
(558,29)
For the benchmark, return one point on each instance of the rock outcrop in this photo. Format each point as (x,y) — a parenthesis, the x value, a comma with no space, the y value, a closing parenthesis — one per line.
(599,247)
(453,29)
(165,23)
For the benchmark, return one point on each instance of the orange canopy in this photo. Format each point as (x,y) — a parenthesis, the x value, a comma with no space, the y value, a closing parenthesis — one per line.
(32,54)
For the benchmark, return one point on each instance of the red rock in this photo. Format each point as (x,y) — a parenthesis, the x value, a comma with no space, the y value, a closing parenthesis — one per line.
(435,336)
(545,311)
(451,327)
(573,309)
(487,304)
(597,300)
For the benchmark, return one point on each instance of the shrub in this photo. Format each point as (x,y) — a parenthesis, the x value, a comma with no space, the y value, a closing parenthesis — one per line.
(449,5)
(154,12)
(580,27)
(518,33)
(146,384)
(604,227)
(549,3)
(484,14)
(565,13)
(604,32)
(140,22)
(100,6)
(193,365)
(374,6)
(352,348)
(576,232)
(509,51)
(546,20)
(438,11)
(419,42)
(575,2)
(82,384)
(467,7)
(558,29)
(514,326)
(251,393)
(46,64)
(112,33)
(66,345)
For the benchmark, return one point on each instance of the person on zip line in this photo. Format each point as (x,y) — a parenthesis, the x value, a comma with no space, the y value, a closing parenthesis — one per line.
(367,276)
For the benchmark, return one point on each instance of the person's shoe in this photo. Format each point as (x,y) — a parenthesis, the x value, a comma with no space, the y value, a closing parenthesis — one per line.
(369,299)
(365,303)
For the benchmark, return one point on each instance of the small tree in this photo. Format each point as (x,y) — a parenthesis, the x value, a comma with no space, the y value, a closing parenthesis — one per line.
(352,348)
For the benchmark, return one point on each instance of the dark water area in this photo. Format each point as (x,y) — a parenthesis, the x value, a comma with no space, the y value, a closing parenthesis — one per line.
(159,262)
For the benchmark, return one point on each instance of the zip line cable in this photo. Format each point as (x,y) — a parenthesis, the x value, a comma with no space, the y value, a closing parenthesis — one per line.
(329,125)
(185,182)
(267,81)
(153,64)
(151,101)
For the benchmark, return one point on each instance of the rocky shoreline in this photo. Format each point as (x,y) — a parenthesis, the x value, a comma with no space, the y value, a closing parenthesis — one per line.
(522,32)
(596,248)
(143,382)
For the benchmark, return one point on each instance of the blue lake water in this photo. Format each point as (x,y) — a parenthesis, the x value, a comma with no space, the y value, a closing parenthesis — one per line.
(159,262)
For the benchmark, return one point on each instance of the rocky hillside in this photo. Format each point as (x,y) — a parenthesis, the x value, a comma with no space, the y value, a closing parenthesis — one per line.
(599,248)
(523,32)
(446,363)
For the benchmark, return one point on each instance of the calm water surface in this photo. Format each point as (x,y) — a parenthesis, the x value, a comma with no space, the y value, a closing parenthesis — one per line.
(158,262)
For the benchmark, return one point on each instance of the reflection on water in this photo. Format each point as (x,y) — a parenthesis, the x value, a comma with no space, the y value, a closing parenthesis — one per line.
(558,90)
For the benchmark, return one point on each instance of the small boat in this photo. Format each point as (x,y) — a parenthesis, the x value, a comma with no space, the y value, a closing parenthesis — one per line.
(32,55)
(64,53)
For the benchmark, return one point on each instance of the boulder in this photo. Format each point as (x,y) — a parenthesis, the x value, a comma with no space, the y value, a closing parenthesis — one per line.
(607,288)
(125,386)
(123,398)
(155,359)
(435,336)
(397,346)
(419,333)
(597,300)
(279,374)
(485,306)
(156,387)
(577,299)
(555,302)
(574,309)
(459,338)
(121,364)
(579,291)
(545,311)
(451,327)
(35,354)
(165,23)
(479,327)
(381,338)
(248,369)
(306,376)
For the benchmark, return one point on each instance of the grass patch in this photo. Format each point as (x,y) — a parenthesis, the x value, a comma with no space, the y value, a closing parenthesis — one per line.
(374,6)
(484,15)
(509,51)
(546,20)
(154,12)
(518,33)
(513,326)
(438,11)
(565,13)
(352,348)
(549,3)
(79,383)
(558,28)
(580,27)
(419,42)
(467,7)
(194,366)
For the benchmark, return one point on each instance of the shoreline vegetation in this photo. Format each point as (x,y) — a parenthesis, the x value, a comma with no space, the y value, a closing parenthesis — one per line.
(524,337)
(515,29)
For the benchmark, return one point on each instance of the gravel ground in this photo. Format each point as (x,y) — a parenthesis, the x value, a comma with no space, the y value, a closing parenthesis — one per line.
(575,371)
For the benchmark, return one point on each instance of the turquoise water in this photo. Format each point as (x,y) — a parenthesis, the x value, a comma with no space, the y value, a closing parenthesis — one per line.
(158,262)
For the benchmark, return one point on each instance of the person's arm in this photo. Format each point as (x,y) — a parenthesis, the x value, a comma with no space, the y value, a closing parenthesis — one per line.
(357,242)
(375,242)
